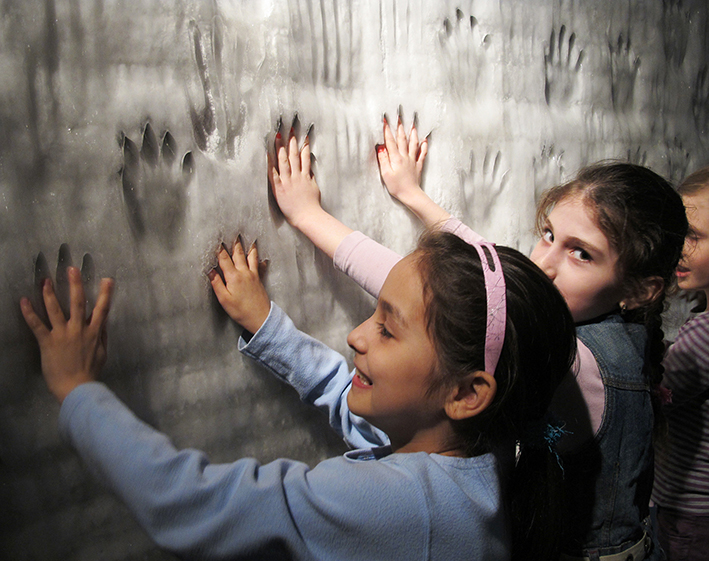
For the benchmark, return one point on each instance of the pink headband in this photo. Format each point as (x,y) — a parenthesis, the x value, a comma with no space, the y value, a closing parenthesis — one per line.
(495,293)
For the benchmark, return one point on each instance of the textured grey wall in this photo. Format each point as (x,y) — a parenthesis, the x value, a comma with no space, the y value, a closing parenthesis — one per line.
(516,94)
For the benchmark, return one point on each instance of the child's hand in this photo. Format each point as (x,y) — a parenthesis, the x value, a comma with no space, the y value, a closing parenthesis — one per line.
(292,182)
(401,161)
(73,351)
(241,293)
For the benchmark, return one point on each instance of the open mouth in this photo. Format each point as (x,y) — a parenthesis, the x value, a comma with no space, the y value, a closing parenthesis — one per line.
(361,380)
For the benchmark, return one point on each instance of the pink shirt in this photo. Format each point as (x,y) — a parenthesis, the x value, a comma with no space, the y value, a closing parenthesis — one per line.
(580,399)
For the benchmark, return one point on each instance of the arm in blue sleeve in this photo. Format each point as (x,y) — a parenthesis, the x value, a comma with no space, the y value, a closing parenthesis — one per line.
(320,375)
(282,509)
(186,504)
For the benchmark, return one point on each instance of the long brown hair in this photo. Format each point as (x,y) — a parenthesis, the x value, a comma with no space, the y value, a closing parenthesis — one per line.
(645,222)
(539,349)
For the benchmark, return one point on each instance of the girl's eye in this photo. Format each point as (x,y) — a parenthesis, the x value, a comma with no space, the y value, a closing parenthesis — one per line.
(383,331)
(548,236)
(582,255)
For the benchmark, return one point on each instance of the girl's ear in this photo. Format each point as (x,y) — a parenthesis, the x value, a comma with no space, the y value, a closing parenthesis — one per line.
(471,396)
(645,293)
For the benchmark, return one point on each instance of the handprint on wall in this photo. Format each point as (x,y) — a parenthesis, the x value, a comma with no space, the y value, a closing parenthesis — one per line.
(155,183)
(61,281)
(675,30)
(700,100)
(678,159)
(483,183)
(624,71)
(465,54)
(216,120)
(333,56)
(562,63)
(548,169)
(637,156)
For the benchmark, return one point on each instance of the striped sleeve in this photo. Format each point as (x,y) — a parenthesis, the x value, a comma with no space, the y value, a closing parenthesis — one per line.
(682,464)
(687,361)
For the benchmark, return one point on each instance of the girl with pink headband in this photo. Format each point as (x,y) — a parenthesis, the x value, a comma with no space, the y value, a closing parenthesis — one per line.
(533,479)
(454,372)
(610,240)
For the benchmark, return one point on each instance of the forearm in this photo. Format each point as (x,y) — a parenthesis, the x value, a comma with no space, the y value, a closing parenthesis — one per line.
(186,504)
(418,202)
(324,230)
(319,374)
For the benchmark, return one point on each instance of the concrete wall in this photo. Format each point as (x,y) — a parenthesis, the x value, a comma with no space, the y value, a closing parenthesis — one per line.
(517,94)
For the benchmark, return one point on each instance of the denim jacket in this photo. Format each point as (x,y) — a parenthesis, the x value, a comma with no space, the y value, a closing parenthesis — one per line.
(609,480)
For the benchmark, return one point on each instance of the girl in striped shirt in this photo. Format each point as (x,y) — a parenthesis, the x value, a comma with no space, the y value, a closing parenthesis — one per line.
(682,465)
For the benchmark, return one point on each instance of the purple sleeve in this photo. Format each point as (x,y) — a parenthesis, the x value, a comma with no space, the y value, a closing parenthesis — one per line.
(579,400)
(687,361)
(368,263)
(365,261)
(455,226)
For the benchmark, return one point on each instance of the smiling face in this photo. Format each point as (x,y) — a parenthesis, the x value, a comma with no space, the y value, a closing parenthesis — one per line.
(394,361)
(577,256)
(693,270)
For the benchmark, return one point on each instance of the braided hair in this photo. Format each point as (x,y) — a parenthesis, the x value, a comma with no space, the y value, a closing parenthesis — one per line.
(645,222)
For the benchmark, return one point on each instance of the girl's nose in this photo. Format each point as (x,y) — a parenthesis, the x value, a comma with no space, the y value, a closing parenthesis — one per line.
(546,261)
(357,340)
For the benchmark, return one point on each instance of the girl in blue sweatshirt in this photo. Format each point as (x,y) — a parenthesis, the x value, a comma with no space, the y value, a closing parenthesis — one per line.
(455,371)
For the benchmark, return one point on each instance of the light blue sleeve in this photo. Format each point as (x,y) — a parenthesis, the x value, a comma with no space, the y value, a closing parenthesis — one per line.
(320,375)
(341,509)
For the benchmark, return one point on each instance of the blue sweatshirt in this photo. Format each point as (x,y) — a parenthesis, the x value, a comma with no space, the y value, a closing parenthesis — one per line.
(368,504)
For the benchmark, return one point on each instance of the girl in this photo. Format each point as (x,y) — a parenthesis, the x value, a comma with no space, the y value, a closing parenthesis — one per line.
(681,490)
(610,240)
(452,369)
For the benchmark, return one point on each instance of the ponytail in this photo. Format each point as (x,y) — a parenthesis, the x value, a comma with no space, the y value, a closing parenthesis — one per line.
(536,504)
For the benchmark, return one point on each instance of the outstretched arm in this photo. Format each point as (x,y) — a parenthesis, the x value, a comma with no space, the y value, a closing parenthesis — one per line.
(298,196)
(401,162)
(72,351)
(320,375)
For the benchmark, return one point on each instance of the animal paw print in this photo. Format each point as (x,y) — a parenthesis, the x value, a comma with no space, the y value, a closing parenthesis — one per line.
(624,70)
(216,125)
(548,169)
(483,183)
(700,100)
(675,31)
(468,67)
(562,62)
(61,281)
(155,186)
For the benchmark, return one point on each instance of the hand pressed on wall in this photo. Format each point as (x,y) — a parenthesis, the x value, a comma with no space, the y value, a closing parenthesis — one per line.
(292,181)
(238,287)
(73,351)
(401,160)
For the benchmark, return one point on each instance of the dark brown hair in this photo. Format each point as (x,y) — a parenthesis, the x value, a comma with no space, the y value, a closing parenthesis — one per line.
(645,222)
(538,350)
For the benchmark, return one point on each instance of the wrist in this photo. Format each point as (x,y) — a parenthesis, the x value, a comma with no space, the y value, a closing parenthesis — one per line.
(306,218)
(256,319)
